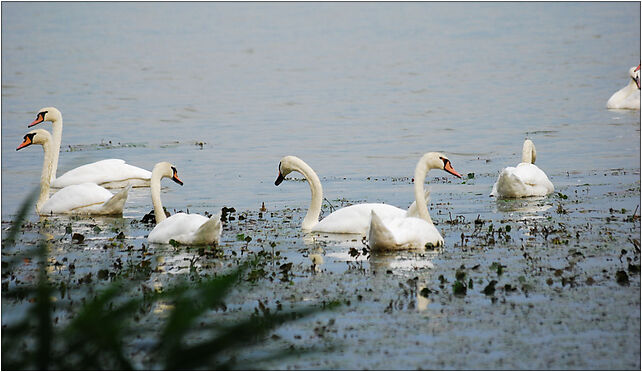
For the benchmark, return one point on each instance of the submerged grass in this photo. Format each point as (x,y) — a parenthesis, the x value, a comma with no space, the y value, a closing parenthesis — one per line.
(98,335)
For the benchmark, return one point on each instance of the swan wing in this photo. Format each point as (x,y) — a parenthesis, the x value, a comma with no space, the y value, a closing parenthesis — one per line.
(402,233)
(210,231)
(116,203)
(625,98)
(522,181)
(181,227)
(102,172)
(355,219)
(536,180)
(87,197)
(632,102)
(379,236)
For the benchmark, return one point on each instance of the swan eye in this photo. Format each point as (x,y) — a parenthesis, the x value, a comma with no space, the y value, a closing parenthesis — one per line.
(42,114)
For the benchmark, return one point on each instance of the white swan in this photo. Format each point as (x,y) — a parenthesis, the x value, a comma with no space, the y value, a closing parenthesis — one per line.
(189,229)
(354,219)
(629,96)
(110,173)
(524,180)
(410,232)
(85,198)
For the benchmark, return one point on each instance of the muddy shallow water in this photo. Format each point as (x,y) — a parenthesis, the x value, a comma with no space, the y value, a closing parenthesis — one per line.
(557,301)
(360,92)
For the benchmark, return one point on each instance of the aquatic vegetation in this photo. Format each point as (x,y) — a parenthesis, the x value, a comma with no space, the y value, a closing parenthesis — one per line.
(101,330)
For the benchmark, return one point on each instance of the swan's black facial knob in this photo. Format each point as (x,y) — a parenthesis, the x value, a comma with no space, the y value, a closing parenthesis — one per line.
(449,168)
(175,177)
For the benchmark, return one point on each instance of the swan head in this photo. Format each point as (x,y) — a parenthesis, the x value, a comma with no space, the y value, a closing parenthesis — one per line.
(528,152)
(436,160)
(634,72)
(166,170)
(286,166)
(46,114)
(35,137)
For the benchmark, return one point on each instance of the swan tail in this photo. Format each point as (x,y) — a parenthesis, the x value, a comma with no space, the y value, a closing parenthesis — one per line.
(116,203)
(379,236)
(210,231)
(412,210)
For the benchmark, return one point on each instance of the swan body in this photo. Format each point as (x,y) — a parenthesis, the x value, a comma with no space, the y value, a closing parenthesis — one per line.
(409,232)
(188,229)
(402,233)
(85,198)
(524,180)
(629,96)
(354,219)
(109,173)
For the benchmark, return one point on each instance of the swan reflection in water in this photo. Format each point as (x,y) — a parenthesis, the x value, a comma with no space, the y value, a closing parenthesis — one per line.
(528,208)
(325,249)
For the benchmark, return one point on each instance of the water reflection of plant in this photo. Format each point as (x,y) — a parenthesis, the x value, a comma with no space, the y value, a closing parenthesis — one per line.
(99,334)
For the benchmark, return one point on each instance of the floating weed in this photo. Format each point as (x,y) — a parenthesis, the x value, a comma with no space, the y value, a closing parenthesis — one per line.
(459,288)
(489,289)
(497,267)
(77,238)
(622,278)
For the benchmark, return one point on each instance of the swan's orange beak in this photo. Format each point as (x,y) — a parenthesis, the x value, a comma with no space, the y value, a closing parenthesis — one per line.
(449,168)
(38,120)
(25,143)
(176,179)
(637,69)
(279,179)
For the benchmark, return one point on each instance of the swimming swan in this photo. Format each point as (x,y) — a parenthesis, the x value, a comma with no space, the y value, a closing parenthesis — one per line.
(629,96)
(524,180)
(84,198)
(410,232)
(110,173)
(354,219)
(189,229)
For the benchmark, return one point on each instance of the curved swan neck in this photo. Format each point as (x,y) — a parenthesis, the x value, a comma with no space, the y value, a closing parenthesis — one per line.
(45,175)
(155,187)
(316,191)
(420,175)
(56,133)
(528,152)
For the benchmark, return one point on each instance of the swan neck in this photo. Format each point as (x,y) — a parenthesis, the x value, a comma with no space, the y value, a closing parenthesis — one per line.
(45,175)
(316,191)
(528,153)
(56,133)
(420,197)
(155,187)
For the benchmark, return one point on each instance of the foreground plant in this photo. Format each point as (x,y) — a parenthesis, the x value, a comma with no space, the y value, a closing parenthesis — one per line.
(98,336)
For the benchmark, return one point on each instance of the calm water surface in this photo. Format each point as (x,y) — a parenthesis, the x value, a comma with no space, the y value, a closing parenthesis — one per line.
(358,90)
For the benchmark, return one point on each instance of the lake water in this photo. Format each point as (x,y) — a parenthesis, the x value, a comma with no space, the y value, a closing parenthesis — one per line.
(358,90)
